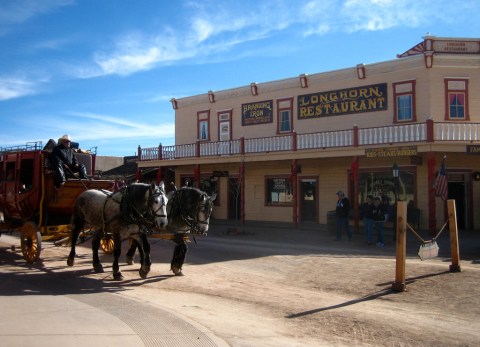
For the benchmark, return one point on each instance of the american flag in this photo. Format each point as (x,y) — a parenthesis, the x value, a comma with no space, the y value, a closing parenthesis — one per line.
(441,185)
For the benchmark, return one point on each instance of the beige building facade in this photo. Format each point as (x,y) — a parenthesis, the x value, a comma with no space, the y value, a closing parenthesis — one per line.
(280,150)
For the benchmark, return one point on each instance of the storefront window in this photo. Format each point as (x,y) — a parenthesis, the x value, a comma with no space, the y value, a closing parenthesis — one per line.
(278,191)
(382,184)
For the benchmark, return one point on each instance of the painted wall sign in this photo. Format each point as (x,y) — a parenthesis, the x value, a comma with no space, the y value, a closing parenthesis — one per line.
(391,152)
(343,101)
(473,149)
(257,112)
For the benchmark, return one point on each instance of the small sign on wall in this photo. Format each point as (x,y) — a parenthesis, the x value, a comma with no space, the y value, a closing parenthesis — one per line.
(260,112)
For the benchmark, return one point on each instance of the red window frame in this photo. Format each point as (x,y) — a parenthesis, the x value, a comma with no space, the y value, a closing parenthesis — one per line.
(456,86)
(203,116)
(401,89)
(281,108)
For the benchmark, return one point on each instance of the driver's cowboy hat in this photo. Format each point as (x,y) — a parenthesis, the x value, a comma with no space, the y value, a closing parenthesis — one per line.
(65,138)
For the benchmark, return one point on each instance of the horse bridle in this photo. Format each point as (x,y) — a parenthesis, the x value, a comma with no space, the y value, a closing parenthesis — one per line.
(151,212)
(193,222)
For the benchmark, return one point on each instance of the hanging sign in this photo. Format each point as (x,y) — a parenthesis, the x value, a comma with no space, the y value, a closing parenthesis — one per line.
(428,250)
(391,152)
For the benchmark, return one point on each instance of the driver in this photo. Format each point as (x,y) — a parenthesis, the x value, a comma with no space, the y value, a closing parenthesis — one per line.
(64,159)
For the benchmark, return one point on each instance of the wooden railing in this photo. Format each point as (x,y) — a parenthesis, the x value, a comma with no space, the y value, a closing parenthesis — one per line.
(356,137)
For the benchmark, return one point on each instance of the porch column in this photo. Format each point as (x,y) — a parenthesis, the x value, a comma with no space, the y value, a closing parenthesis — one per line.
(432,226)
(355,166)
(196,176)
(293,176)
(241,181)
(160,174)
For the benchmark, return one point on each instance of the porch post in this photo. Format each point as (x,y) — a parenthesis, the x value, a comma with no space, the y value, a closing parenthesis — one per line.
(241,179)
(196,175)
(432,225)
(355,193)
(293,175)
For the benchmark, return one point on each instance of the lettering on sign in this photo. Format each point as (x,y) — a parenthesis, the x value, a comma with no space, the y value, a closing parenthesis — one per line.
(257,112)
(391,152)
(473,149)
(343,101)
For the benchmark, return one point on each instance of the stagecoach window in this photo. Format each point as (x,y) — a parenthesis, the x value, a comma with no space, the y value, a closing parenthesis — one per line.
(278,191)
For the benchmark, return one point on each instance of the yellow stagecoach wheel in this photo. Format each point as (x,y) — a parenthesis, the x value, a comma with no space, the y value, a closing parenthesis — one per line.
(31,242)
(107,244)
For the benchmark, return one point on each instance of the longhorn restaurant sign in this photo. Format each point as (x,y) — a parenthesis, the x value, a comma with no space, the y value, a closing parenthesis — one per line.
(343,101)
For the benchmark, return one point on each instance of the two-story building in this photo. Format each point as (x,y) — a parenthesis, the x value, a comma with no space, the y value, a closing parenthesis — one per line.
(280,150)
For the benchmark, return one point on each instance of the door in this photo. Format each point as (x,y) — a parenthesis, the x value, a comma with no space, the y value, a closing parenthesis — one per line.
(308,200)
(233,198)
(456,191)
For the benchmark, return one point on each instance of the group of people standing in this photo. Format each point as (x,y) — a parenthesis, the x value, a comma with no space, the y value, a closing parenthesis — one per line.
(373,212)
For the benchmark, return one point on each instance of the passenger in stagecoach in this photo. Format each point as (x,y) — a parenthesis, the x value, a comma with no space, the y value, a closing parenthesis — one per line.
(64,162)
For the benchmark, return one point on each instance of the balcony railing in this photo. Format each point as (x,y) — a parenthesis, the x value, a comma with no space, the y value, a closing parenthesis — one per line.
(356,137)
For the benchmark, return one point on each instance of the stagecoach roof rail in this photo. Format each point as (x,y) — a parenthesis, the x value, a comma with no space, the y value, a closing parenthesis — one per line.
(29,146)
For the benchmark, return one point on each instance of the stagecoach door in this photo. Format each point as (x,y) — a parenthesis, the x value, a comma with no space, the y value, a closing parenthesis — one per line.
(308,200)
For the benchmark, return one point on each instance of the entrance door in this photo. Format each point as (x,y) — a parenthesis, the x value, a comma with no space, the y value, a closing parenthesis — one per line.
(308,200)
(456,191)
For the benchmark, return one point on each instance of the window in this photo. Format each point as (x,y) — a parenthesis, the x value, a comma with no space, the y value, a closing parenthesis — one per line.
(278,191)
(404,100)
(203,124)
(285,115)
(209,184)
(456,99)
(224,125)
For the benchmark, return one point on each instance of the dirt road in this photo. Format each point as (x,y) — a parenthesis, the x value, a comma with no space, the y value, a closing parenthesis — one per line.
(303,290)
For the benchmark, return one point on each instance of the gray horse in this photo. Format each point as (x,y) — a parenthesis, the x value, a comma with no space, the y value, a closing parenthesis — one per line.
(189,210)
(124,214)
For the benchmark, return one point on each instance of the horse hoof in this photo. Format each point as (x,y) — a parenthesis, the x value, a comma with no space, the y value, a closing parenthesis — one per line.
(130,261)
(117,276)
(98,268)
(143,274)
(179,273)
(70,261)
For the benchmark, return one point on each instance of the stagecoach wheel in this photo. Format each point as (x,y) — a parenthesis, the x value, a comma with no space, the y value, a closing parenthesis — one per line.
(31,242)
(107,244)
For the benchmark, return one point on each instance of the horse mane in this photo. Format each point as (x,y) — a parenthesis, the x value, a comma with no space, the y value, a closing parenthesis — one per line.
(184,200)
(133,201)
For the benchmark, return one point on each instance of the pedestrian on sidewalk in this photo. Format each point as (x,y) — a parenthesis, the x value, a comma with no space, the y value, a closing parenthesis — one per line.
(380,217)
(342,212)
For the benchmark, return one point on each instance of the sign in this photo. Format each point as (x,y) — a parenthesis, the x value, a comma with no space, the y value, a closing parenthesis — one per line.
(448,46)
(391,152)
(428,250)
(260,112)
(343,101)
(473,149)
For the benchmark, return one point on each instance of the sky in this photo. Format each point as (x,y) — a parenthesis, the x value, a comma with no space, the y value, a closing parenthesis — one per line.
(104,71)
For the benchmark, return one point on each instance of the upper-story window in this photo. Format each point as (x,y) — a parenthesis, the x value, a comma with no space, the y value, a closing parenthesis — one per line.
(404,101)
(285,115)
(203,125)
(456,99)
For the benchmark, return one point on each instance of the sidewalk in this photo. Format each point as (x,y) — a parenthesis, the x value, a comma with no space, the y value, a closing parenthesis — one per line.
(322,234)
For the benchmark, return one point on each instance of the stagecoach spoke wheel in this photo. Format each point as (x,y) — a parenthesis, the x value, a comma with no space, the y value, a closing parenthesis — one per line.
(31,242)
(107,244)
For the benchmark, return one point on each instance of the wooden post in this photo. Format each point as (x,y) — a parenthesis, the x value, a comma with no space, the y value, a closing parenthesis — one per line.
(401,247)
(452,225)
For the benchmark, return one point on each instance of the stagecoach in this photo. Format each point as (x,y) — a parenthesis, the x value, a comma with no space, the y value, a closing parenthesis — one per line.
(30,203)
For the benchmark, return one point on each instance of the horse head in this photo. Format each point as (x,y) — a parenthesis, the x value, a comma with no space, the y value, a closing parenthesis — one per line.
(158,204)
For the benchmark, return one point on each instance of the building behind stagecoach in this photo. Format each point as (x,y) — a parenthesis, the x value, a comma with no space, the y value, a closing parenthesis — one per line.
(280,150)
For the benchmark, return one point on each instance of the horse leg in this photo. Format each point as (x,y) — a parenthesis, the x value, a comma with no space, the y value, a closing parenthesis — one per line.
(145,261)
(179,254)
(117,251)
(97,266)
(131,253)
(77,227)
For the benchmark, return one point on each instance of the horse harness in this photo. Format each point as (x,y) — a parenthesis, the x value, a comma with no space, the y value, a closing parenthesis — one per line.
(129,213)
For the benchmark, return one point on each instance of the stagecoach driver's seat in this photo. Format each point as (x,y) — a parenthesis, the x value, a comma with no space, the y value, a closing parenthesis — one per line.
(65,163)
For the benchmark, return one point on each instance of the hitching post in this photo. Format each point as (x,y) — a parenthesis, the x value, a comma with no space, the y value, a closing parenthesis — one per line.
(452,225)
(401,247)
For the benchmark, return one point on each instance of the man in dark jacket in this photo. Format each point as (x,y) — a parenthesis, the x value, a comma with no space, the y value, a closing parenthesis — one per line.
(342,212)
(64,160)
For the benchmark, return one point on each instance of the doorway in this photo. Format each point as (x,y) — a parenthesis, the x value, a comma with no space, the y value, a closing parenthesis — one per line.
(457,191)
(308,200)
(234,192)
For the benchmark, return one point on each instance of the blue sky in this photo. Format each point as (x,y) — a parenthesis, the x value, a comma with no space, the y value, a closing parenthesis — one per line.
(105,71)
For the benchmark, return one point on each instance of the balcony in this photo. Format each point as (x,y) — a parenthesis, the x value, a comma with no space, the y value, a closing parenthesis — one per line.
(356,137)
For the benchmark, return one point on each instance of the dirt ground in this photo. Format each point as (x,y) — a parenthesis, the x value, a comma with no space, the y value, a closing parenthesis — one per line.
(305,291)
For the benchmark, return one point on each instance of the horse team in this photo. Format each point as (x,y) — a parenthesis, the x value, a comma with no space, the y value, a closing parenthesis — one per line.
(132,213)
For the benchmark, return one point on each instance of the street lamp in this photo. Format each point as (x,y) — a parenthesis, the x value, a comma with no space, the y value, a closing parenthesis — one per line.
(395,172)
